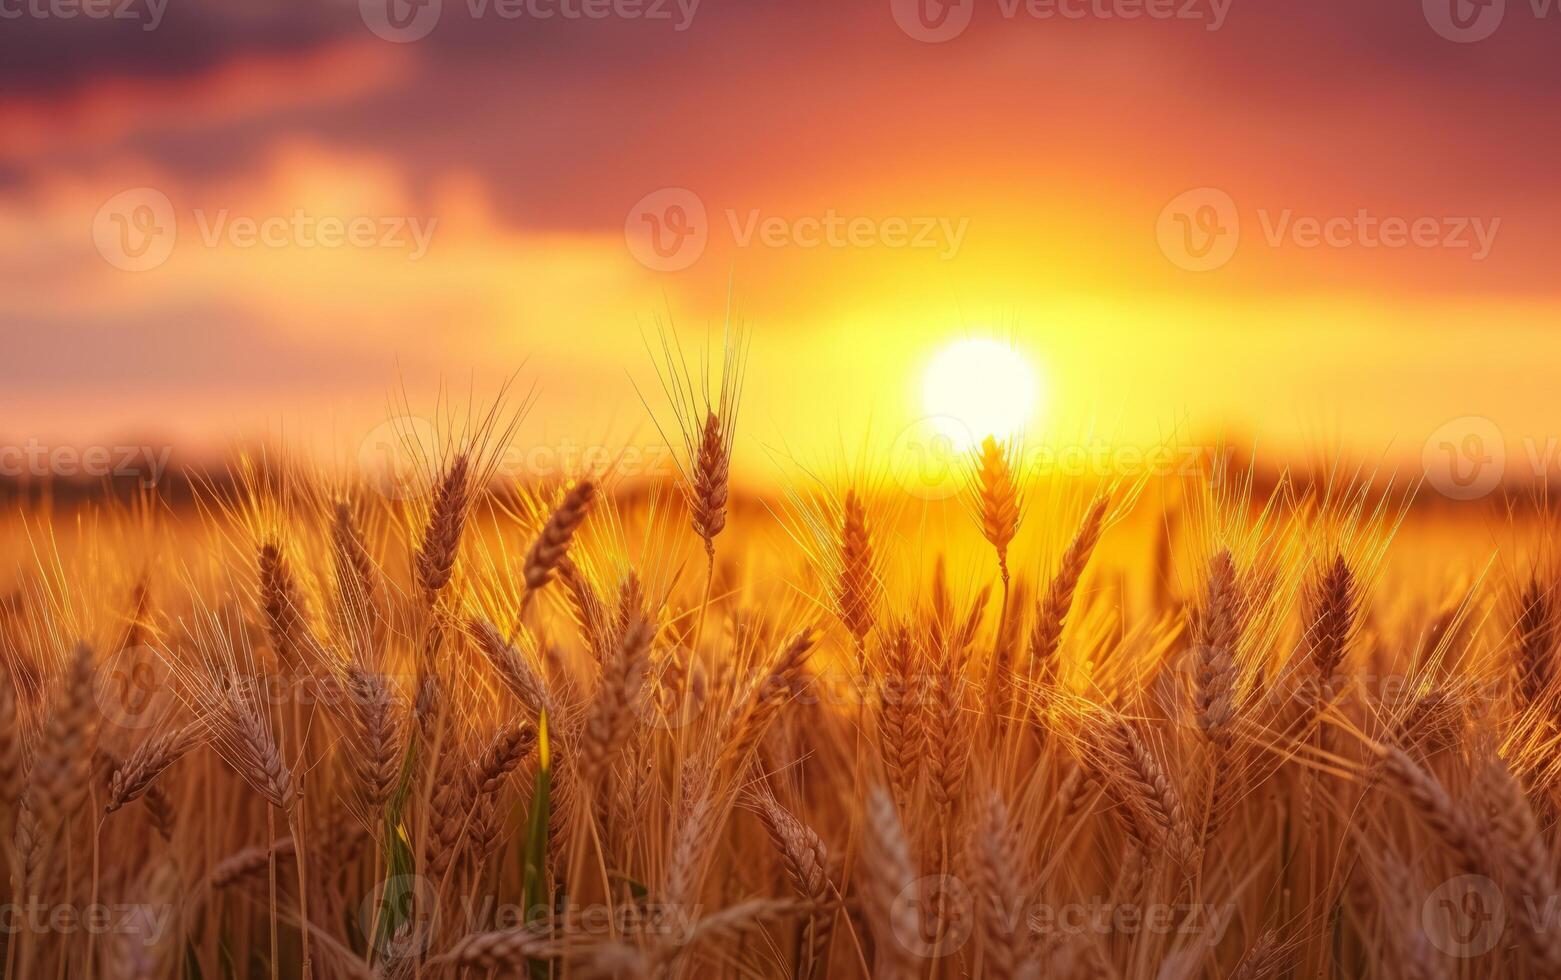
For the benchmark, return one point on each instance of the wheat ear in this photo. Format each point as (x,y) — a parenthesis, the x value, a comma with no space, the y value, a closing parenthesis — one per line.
(1050,617)
(806,860)
(1534,641)
(901,734)
(552,543)
(62,771)
(997,499)
(135,776)
(376,727)
(708,493)
(502,950)
(856,590)
(435,559)
(751,720)
(1449,822)
(282,607)
(1262,961)
(994,860)
(524,682)
(610,717)
(887,876)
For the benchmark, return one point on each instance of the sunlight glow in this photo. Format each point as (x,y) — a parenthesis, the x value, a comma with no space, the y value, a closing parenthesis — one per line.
(978,388)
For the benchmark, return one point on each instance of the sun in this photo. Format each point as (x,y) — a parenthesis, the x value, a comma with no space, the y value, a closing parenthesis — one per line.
(978,388)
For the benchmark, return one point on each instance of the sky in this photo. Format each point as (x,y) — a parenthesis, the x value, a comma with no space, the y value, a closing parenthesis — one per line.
(1313,225)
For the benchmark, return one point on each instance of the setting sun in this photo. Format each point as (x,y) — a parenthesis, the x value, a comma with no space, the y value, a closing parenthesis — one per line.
(978,388)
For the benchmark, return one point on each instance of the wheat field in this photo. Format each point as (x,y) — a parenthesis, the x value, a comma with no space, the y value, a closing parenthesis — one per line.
(1200,725)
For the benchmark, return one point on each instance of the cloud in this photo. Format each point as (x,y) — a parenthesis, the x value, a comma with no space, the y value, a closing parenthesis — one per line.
(112,110)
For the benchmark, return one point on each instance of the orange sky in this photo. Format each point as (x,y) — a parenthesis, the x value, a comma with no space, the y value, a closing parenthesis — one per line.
(1023,179)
